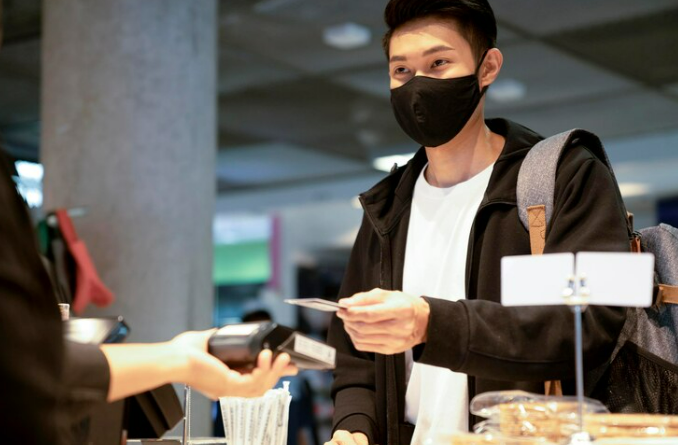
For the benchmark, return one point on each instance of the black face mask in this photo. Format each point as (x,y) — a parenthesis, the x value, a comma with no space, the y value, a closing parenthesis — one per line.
(433,111)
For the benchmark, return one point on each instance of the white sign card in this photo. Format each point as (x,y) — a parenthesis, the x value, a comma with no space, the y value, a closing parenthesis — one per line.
(613,279)
(618,279)
(530,280)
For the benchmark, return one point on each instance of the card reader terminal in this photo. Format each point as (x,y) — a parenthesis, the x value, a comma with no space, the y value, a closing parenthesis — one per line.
(238,345)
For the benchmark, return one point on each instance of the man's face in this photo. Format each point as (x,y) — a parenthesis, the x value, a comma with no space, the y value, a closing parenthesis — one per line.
(429,47)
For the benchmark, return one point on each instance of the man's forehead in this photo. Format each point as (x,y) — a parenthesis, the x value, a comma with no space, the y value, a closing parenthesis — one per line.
(441,24)
(424,32)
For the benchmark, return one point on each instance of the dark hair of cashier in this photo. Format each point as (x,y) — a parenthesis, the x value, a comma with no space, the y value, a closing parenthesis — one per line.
(474,19)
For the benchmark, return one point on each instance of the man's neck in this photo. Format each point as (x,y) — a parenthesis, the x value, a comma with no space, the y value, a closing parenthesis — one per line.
(470,152)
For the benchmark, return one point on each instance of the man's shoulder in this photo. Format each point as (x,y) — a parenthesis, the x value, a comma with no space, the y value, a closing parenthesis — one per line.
(577,155)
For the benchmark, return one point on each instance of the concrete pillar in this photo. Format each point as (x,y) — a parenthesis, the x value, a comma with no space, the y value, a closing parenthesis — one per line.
(129,132)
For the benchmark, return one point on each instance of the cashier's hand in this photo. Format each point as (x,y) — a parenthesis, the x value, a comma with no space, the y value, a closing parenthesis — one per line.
(210,376)
(342,437)
(386,322)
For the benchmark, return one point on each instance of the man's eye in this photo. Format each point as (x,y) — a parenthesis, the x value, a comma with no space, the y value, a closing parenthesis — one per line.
(400,70)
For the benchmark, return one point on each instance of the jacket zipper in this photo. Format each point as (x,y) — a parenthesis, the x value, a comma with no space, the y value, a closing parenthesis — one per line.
(391,426)
(469,261)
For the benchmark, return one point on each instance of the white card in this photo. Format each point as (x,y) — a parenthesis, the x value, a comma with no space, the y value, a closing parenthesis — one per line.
(618,279)
(317,304)
(535,280)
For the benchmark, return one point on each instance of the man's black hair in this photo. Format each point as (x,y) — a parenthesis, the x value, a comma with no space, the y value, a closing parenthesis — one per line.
(474,19)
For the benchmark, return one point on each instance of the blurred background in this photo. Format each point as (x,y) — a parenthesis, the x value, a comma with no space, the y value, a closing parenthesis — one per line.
(218,148)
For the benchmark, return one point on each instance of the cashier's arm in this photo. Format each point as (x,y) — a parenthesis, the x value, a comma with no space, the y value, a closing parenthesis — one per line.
(136,368)
(385,322)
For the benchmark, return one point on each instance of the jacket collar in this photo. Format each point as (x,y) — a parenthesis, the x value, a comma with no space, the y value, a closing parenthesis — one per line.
(386,202)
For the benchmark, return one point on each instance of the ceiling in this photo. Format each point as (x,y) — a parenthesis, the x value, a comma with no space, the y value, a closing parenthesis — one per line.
(294,111)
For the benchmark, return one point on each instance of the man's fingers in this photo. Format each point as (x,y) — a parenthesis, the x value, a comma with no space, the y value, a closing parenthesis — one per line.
(343,437)
(360,439)
(379,348)
(360,336)
(377,339)
(381,327)
(375,296)
(369,314)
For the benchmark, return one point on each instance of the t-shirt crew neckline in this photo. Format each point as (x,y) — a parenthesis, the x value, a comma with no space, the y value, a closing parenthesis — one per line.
(430,191)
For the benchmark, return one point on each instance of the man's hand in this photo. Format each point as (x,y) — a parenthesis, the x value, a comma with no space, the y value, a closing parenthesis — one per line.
(386,322)
(213,378)
(342,437)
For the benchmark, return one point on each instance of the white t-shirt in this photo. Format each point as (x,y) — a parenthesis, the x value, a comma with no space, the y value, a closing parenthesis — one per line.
(435,266)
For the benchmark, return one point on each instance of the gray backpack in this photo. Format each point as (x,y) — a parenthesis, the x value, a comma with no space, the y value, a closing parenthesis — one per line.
(642,374)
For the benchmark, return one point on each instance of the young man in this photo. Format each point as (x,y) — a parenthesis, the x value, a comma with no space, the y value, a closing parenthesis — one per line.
(425,330)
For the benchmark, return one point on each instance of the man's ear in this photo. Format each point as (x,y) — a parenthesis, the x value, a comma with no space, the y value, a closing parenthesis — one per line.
(490,67)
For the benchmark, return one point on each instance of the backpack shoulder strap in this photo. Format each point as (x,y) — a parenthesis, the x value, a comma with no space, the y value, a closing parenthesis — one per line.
(662,241)
(537,180)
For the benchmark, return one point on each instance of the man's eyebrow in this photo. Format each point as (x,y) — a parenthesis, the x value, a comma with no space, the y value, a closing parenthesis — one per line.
(435,49)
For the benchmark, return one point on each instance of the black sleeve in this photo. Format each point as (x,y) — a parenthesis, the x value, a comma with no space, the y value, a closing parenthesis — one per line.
(485,339)
(353,389)
(30,328)
(86,379)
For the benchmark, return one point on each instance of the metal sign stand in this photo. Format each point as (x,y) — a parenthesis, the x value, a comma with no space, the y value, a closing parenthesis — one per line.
(187,416)
(577,297)
(186,436)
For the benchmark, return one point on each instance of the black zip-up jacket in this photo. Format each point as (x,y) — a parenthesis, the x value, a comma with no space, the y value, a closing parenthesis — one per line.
(499,348)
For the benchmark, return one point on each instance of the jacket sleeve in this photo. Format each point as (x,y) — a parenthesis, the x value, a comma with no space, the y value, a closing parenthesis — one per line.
(487,340)
(353,389)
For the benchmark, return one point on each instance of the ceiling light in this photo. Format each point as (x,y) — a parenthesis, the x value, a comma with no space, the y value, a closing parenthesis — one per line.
(347,36)
(385,163)
(507,90)
(30,170)
(632,189)
(241,228)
